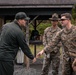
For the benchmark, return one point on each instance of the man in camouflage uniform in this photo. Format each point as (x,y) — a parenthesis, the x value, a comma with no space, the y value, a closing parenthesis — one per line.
(68,38)
(53,57)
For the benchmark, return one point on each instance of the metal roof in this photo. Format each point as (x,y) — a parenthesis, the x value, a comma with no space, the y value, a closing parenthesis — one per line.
(36,2)
(38,6)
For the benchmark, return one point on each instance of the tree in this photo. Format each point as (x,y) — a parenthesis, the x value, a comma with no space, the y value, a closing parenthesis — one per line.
(74,14)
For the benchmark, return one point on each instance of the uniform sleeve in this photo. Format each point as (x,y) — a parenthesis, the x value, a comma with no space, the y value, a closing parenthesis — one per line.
(53,44)
(59,44)
(24,46)
(44,39)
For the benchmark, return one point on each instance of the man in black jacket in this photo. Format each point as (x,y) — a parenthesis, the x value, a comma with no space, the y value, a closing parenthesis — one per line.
(11,39)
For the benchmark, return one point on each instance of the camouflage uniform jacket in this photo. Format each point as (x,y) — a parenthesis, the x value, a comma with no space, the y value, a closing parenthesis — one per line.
(68,39)
(49,33)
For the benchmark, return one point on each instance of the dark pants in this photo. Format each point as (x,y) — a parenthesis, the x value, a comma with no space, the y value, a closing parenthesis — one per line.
(6,68)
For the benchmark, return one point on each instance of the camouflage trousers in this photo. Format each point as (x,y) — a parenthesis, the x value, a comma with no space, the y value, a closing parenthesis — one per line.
(67,65)
(54,61)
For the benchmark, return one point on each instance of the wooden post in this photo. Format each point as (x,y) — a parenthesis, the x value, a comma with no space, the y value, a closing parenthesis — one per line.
(26,59)
(1,22)
(35,39)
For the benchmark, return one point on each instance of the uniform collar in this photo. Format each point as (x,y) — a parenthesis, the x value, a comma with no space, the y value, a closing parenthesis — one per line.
(54,29)
(67,31)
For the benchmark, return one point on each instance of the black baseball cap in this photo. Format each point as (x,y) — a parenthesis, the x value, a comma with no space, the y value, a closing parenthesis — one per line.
(21,15)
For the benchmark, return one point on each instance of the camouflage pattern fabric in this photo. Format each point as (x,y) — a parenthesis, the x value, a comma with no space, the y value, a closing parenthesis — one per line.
(68,39)
(53,57)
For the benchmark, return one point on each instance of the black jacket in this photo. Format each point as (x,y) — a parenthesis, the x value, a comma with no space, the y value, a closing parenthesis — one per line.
(12,37)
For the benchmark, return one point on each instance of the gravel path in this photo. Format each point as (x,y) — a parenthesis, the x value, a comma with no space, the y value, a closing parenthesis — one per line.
(35,69)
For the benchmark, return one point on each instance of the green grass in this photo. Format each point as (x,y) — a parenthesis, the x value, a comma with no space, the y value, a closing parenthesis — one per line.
(39,48)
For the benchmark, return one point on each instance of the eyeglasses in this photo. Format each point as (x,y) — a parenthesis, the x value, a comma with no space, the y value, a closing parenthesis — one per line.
(64,19)
(55,20)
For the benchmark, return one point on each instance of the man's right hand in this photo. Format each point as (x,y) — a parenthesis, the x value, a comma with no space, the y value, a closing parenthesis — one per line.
(39,54)
(34,60)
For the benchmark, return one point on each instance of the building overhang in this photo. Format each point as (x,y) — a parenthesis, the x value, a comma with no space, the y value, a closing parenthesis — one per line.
(36,6)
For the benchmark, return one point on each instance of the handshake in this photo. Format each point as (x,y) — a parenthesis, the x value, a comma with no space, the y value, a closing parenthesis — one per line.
(38,55)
